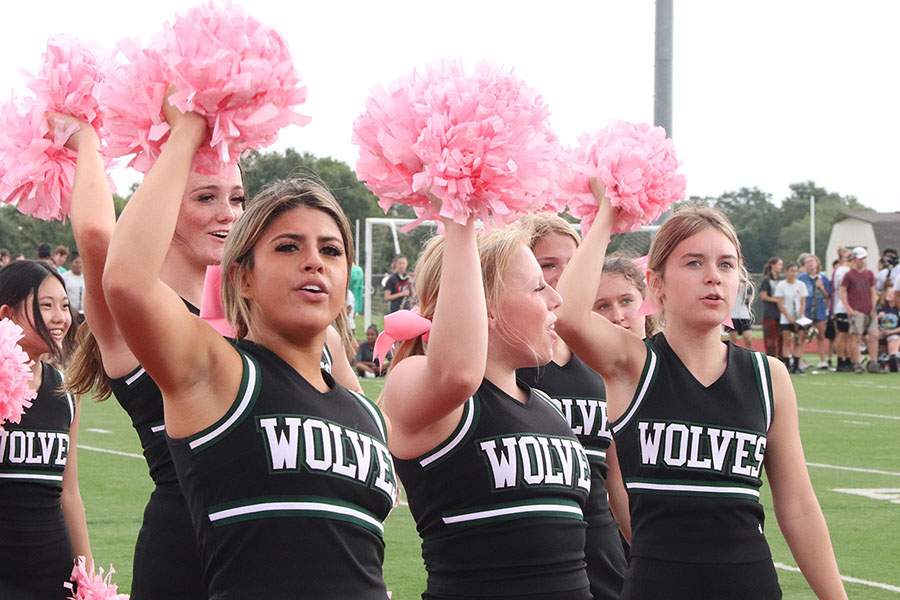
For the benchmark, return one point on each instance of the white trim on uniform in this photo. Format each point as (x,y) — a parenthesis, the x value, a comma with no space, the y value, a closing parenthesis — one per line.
(135,376)
(764,381)
(469,414)
(33,477)
(507,511)
(243,403)
(645,387)
(278,506)
(376,416)
(595,453)
(692,488)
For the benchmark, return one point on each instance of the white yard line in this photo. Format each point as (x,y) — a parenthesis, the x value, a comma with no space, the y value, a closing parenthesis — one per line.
(858,384)
(856,469)
(116,452)
(850,414)
(848,579)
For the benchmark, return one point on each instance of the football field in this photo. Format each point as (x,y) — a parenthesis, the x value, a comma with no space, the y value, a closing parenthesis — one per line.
(850,426)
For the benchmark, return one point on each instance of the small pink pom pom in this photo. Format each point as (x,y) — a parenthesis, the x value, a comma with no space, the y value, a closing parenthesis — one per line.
(226,66)
(36,169)
(15,375)
(87,585)
(636,163)
(480,143)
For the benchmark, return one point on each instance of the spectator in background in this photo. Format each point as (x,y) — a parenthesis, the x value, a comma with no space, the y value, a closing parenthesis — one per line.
(4,257)
(74,280)
(397,288)
(771,315)
(839,313)
(18,256)
(858,295)
(357,281)
(819,299)
(890,269)
(45,254)
(889,324)
(366,364)
(741,318)
(60,257)
(791,297)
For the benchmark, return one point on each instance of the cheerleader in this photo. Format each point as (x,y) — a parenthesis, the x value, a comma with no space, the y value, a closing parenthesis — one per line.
(693,418)
(496,480)
(286,474)
(42,522)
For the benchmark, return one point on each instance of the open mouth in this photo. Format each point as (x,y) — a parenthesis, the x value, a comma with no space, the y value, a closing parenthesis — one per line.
(222,235)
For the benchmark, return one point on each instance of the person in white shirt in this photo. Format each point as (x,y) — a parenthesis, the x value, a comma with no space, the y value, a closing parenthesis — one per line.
(74,280)
(791,294)
(839,314)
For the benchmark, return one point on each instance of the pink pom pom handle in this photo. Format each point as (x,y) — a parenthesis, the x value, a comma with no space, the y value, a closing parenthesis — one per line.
(15,375)
(636,163)
(481,144)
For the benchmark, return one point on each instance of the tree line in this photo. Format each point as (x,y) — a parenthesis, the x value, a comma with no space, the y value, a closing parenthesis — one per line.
(765,228)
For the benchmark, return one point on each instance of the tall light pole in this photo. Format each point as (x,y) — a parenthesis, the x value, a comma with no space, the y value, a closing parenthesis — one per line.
(812,224)
(662,73)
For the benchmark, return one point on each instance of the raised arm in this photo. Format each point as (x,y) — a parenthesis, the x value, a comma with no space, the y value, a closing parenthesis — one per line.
(796,507)
(614,352)
(93,218)
(424,395)
(184,355)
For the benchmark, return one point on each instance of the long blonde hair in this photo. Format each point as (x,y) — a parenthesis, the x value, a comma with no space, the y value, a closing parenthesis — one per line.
(686,222)
(273,201)
(85,373)
(495,249)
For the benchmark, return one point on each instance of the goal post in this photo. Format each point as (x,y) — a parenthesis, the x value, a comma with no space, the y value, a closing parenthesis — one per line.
(384,239)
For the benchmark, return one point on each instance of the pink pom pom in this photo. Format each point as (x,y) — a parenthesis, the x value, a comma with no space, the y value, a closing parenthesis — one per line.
(480,143)
(15,375)
(636,163)
(226,66)
(36,169)
(87,585)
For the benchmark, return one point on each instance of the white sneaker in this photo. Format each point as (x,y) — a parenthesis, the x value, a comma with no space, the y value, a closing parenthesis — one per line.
(823,365)
(369,375)
(803,365)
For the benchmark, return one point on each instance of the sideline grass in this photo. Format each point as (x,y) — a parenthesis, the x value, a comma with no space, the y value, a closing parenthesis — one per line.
(864,530)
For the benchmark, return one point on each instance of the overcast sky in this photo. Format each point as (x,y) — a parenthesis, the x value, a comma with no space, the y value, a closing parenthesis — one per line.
(766,93)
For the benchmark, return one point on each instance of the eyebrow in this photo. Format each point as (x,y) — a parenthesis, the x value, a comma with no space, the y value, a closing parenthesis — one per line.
(302,238)
(216,188)
(701,255)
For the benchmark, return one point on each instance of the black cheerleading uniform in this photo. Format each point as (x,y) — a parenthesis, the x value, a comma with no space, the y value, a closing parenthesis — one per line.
(35,550)
(499,503)
(580,394)
(288,490)
(166,561)
(691,457)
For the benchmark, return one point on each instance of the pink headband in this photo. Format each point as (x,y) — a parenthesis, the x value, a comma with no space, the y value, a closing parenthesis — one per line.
(400,326)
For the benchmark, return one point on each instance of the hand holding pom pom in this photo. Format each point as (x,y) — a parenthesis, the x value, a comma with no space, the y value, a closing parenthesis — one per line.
(234,71)
(87,585)
(36,169)
(636,163)
(481,144)
(15,375)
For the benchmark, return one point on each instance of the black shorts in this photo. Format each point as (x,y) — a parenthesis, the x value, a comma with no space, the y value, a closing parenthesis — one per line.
(830,331)
(789,327)
(740,326)
(841,322)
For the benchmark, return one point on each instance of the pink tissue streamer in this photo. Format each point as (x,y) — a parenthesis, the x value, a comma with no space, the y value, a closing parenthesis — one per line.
(401,325)
(479,143)
(36,169)
(226,66)
(15,374)
(92,586)
(636,163)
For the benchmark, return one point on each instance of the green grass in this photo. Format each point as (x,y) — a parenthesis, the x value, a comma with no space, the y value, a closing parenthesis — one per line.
(864,531)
